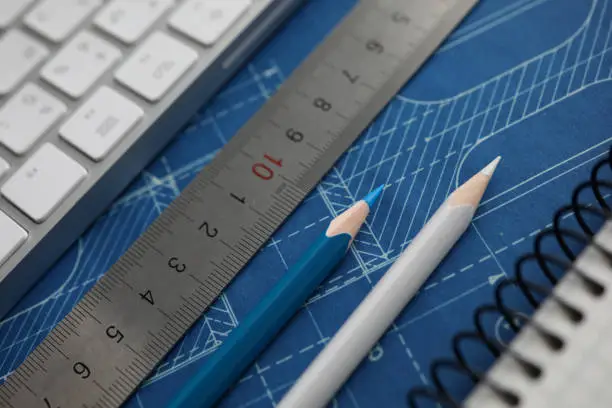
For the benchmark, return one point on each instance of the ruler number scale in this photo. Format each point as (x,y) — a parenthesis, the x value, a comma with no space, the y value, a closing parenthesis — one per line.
(124,326)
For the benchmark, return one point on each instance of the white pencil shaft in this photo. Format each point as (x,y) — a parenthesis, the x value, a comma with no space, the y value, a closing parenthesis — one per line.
(371,319)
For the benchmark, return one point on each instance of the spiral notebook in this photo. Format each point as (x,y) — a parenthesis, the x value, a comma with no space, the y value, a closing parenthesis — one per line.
(562,354)
(579,373)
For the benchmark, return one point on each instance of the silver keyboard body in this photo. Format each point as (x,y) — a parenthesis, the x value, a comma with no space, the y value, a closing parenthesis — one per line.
(161,120)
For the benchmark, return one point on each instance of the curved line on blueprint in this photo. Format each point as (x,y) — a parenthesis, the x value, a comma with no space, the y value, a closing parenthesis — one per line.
(529,116)
(465,156)
(55,293)
(579,31)
(75,266)
(473,30)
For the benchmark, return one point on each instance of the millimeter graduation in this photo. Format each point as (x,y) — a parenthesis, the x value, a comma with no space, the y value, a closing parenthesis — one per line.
(122,328)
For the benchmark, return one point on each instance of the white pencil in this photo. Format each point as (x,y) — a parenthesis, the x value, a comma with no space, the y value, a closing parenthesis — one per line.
(334,365)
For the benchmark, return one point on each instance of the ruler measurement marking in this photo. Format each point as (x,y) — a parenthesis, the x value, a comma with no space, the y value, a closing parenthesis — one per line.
(163,313)
(173,328)
(72,322)
(197,280)
(212,182)
(124,382)
(122,281)
(189,303)
(164,339)
(184,319)
(50,345)
(65,331)
(138,364)
(238,256)
(227,245)
(18,377)
(150,349)
(97,384)
(217,280)
(88,302)
(150,241)
(244,245)
(44,352)
(28,365)
(199,298)
(96,292)
(5,397)
(265,225)
(233,265)
(311,145)
(106,284)
(288,183)
(12,388)
(120,269)
(132,375)
(137,354)
(38,360)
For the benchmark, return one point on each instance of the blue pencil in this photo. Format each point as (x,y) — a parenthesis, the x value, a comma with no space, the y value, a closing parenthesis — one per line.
(251,337)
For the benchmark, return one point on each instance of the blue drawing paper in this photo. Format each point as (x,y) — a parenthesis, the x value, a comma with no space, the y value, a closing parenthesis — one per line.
(525,79)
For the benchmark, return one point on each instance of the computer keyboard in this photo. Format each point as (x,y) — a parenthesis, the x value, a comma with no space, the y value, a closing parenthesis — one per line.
(90,91)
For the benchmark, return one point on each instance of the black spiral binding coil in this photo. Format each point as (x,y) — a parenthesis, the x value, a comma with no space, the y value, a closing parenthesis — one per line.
(439,393)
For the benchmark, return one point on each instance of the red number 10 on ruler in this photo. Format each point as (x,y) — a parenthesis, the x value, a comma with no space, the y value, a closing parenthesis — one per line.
(265,171)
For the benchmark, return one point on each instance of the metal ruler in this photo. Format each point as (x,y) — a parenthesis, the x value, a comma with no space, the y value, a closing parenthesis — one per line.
(123,327)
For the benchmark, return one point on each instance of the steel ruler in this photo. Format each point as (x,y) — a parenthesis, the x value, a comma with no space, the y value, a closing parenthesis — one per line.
(124,326)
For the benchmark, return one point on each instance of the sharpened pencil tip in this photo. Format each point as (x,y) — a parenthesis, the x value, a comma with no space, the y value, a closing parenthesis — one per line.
(351,220)
(471,191)
(373,196)
(490,169)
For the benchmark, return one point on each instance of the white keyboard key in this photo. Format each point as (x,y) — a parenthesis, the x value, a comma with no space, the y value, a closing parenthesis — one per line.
(128,20)
(206,21)
(19,54)
(4,166)
(11,9)
(11,237)
(157,64)
(57,19)
(43,182)
(98,125)
(27,116)
(80,64)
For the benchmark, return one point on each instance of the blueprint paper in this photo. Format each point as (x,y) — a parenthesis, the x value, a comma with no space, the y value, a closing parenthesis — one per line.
(527,79)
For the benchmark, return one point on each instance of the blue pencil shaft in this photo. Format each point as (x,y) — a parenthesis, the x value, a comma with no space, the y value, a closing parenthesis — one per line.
(251,337)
